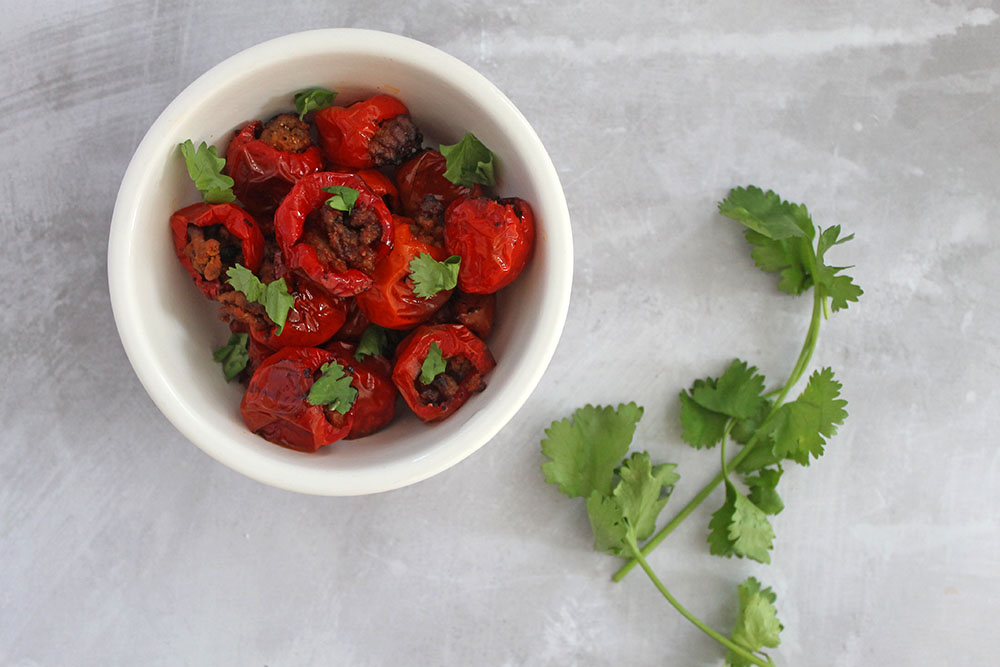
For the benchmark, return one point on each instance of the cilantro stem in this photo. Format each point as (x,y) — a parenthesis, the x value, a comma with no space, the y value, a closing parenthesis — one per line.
(722,639)
(808,346)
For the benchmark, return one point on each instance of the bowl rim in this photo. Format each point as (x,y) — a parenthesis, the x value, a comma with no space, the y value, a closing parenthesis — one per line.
(140,351)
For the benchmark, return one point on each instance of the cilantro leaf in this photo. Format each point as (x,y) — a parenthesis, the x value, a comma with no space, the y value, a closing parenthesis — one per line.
(757,625)
(277,302)
(740,528)
(273,296)
(750,531)
(800,428)
(763,490)
(585,450)
(430,276)
(469,162)
(233,355)
(243,280)
(700,426)
(761,456)
(373,342)
(766,214)
(204,166)
(343,198)
(736,394)
(635,503)
(607,523)
(312,99)
(333,389)
(743,429)
(433,364)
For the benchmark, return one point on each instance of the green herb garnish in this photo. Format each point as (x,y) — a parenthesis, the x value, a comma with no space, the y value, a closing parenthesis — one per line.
(333,389)
(312,99)
(233,355)
(204,166)
(343,198)
(430,276)
(374,341)
(273,296)
(469,162)
(433,364)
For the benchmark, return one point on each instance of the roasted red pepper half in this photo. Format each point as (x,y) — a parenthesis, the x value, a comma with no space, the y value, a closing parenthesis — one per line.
(336,250)
(265,161)
(390,301)
(275,406)
(211,238)
(467,361)
(375,405)
(372,133)
(314,319)
(494,238)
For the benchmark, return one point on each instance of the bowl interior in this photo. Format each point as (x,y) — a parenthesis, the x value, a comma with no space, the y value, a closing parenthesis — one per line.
(169,330)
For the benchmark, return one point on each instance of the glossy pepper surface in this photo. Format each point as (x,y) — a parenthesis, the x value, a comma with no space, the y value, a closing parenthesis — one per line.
(262,175)
(494,238)
(289,221)
(455,341)
(423,176)
(275,406)
(346,132)
(390,301)
(237,236)
(313,319)
(375,405)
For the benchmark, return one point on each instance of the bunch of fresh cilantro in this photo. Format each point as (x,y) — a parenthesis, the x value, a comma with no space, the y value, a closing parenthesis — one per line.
(589,454)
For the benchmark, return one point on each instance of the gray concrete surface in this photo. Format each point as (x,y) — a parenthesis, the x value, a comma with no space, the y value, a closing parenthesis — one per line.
(123,544)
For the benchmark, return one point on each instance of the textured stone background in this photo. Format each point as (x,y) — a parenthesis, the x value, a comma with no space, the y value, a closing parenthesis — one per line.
(123,544)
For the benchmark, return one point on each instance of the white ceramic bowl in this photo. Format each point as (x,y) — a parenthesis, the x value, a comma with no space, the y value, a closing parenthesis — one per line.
(169,329)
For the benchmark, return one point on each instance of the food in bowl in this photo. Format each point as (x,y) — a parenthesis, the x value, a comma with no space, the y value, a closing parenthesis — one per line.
(356,266)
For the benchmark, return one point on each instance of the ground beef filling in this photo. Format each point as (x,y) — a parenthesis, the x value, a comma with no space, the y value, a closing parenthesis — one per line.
(212,249)
(342,241)
(428,223)
(286,133)
(459,377)
(395,141)
(234,306)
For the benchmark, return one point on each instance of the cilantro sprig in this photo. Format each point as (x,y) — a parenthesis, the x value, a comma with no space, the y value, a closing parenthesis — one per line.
(233,355)
(433,364)
(273,296)
(333,389)
(313,99)
(733,408)
(343,198)
(374,341)
(204,166)
(430,276)
(469,162)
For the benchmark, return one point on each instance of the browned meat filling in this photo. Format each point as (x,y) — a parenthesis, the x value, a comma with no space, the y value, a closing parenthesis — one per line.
(396,140)
(234,306)
(342,241)
(428,223)
(286,133)
(212,249)
(460,378)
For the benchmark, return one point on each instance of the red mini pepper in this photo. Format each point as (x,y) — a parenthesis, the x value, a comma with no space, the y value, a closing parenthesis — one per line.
(467,358)
(390,301)
(210,238)
(494,238)
(375,405)
(423,176)
(345,133)
(313,319)
(475,311)
(307,196)
(262,174)
(275,406)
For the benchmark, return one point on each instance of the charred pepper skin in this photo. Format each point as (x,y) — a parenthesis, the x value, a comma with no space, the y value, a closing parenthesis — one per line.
(454,340)
(236,221)
(346,133)
(494,238)
(390,301)
(275,406)
(289,222)
(262,174)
